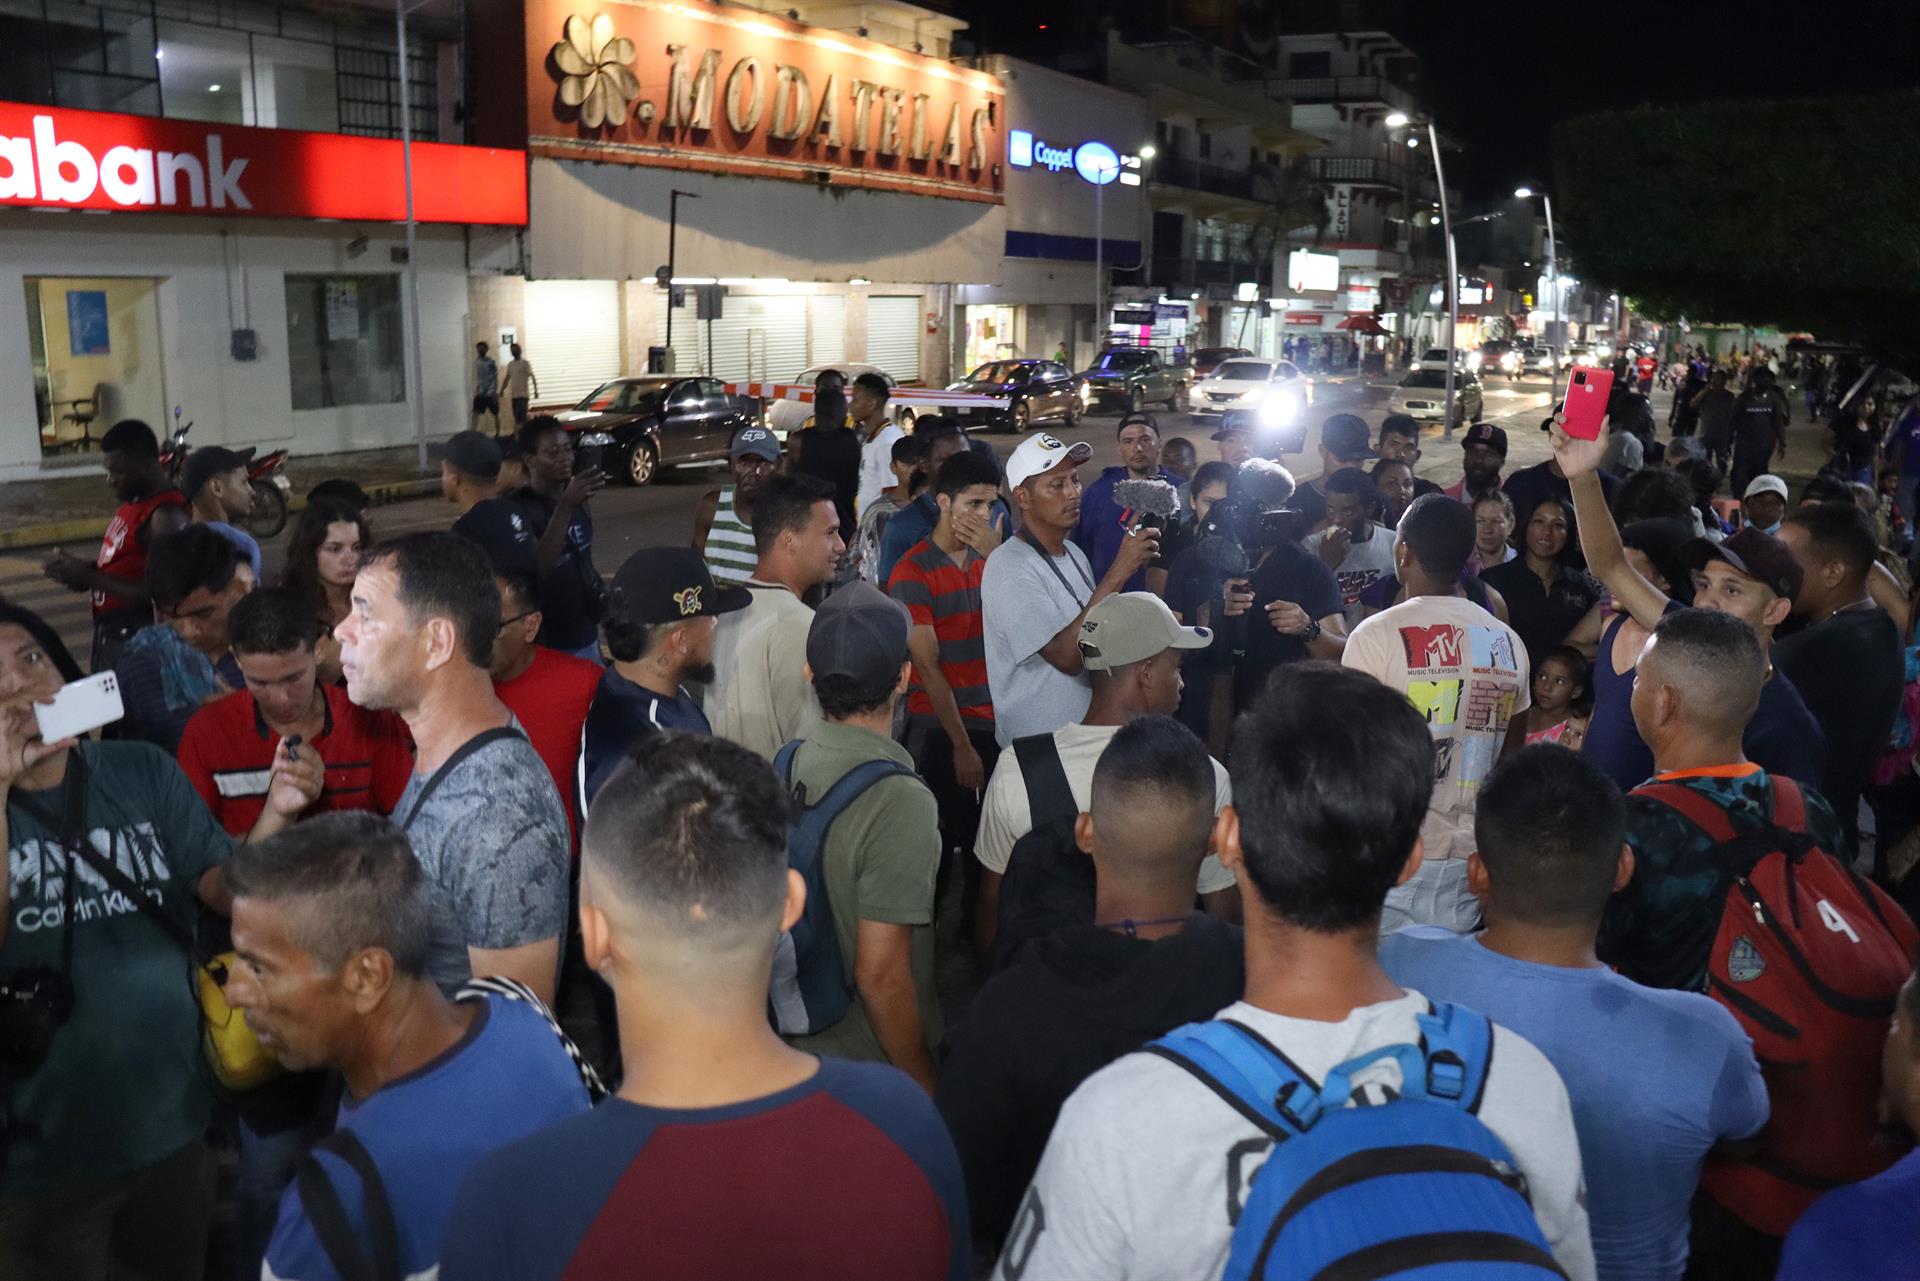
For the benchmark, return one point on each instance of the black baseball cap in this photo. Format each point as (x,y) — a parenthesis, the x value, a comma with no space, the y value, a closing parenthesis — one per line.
(1494,438)
(859,633)
(1753,552)
(1347,438)
(473,453)
(208,461)
(669,584)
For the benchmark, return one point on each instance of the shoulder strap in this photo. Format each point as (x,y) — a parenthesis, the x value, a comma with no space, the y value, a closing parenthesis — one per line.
(72,829)
(324,1210)
(460,754)
(1049,795)
(1046,558)
(1789,804)
(479,989)
(783,763)
(1692,806)
(1247,1072)
(850,787)
(1458,1044)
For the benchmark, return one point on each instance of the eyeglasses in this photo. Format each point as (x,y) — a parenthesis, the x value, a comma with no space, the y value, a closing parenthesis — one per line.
(508,622)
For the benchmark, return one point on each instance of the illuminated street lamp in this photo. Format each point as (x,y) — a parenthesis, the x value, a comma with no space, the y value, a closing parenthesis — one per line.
(1401,120)
(1553,276)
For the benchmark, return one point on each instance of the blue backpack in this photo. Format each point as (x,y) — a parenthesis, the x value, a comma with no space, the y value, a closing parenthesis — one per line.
(809,991)
(1417,1186)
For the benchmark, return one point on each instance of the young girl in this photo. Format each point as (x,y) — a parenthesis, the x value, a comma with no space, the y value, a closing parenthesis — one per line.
(1562,699)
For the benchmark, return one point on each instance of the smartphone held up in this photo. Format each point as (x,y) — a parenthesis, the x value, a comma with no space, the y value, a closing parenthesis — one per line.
(80,707)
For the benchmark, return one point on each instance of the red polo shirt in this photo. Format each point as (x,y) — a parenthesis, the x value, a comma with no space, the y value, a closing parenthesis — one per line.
(227,754)
(551,699)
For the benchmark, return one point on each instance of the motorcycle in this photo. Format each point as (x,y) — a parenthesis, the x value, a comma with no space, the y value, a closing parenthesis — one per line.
(266,476)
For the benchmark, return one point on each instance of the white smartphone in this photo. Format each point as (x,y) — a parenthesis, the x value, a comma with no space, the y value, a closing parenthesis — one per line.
(80,707)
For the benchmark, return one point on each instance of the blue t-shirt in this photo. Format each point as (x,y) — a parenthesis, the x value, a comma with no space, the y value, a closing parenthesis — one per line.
(507,1078)
(849,1175)
(621,711)
(1867,1231)
(1656,1079)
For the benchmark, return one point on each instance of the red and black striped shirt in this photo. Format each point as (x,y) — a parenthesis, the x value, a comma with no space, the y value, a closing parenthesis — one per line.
(946,597)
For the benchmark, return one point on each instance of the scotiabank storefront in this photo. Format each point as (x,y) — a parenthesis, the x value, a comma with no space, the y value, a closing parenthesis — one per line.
(251,277)
(835,188)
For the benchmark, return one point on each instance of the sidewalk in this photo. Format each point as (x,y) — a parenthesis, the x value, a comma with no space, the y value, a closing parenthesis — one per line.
(76,504)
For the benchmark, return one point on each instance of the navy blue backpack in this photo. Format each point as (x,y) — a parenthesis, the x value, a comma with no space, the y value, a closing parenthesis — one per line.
(1416,1186)
(809,991)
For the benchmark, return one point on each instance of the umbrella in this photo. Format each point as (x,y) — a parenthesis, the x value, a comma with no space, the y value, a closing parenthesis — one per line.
(1364,324)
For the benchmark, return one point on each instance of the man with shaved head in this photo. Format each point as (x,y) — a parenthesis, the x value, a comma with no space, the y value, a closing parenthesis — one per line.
(727,1152)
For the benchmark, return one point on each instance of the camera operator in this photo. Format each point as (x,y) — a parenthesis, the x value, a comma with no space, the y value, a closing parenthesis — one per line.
(104,1099)
(1291,599)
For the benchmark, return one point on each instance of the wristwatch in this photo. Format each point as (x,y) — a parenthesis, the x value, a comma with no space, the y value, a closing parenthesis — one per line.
(1313,631)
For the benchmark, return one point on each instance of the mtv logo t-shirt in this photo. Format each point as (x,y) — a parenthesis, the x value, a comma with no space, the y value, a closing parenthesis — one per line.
(1466,671)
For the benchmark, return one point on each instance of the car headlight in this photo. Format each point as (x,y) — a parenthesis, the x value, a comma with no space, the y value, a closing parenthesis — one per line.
(597,438)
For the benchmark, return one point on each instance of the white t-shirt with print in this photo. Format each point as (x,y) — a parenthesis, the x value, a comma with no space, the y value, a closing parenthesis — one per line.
(876,466)
(1467,672)
(1364,565)
(1005,816)
(1148,1168)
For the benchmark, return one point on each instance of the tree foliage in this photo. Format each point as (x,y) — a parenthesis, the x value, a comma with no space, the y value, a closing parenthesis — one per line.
(1796,213)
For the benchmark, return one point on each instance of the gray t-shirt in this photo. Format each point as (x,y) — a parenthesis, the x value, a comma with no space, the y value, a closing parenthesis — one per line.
(1023,604)
(492,838)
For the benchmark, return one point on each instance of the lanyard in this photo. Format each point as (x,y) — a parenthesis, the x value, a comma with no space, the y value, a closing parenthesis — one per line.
(1027,537)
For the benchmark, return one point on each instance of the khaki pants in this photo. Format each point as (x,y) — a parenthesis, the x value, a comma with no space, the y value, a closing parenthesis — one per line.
(145,1225)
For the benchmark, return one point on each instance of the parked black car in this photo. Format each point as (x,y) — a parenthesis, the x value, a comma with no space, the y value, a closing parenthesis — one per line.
(632,427)
(1035,389)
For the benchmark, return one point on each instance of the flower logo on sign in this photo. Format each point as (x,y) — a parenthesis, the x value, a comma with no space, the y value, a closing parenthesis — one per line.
(594,75)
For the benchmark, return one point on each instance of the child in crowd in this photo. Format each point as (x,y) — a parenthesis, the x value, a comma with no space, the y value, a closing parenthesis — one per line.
(1562,699)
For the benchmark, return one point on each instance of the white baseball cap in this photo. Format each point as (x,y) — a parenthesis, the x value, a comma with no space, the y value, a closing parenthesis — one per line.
(1042,453)
(1767,484)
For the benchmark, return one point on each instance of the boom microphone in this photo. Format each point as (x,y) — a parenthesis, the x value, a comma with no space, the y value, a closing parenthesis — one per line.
(1154,503)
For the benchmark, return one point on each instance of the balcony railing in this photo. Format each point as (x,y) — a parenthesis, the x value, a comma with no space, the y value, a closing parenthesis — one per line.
(1353,89)
(1199,175)
(1414,176)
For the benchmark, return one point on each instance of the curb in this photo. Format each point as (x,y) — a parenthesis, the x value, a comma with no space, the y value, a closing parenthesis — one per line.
(66,531)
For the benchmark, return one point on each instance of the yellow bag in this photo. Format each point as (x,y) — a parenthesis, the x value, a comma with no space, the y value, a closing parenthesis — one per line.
(239,1061)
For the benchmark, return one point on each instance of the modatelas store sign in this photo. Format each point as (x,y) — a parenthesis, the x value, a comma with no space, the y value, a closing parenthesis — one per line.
(688,85)
(52,158)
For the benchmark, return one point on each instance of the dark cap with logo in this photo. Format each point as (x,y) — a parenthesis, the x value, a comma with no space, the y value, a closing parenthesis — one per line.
(1753,552)
(668,585)
(1347,438)
(1494,438)
(859,633)
(205,463)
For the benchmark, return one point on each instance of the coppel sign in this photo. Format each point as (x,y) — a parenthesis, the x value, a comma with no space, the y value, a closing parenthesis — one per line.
(1095,162)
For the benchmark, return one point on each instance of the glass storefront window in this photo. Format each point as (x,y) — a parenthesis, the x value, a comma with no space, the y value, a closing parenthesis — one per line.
(95,348)
(343,341)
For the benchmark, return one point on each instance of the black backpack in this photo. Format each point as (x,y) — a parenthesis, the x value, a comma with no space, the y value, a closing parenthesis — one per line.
(1049,879)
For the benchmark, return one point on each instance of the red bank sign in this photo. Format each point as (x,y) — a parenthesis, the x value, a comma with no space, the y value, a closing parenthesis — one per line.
(52,158)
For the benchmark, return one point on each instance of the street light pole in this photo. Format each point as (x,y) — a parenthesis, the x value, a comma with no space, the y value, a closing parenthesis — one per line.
(1400,120)
(1553,283)
(411,277)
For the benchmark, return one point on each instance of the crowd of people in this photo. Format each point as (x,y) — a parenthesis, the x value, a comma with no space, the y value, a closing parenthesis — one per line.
(965,871)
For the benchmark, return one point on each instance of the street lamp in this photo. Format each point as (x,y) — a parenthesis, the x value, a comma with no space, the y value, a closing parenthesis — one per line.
(1553,277)
(1400,120)
(1101,177)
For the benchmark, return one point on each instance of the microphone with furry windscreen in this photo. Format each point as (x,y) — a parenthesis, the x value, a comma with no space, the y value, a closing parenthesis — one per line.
(1151,504)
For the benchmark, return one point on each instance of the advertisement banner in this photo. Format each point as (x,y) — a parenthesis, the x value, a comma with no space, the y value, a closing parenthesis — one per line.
(681,84)
(55,158)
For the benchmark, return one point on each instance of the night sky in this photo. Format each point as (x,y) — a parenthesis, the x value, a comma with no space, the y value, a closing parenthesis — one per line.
(1499,73)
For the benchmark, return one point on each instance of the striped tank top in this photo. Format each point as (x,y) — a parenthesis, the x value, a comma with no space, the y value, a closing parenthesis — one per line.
(729,550)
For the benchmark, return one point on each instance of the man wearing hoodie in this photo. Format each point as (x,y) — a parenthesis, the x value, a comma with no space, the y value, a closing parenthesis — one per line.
(1079,999)
(1104,522)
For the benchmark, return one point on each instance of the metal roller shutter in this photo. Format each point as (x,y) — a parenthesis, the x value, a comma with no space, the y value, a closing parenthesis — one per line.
(893,335)
(829,338)
(573,335)
(757,337)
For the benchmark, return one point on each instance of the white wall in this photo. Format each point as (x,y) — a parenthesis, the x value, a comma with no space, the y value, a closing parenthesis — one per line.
(231,402)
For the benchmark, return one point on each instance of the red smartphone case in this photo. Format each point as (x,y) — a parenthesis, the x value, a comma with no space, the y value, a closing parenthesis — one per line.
(1586,405)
